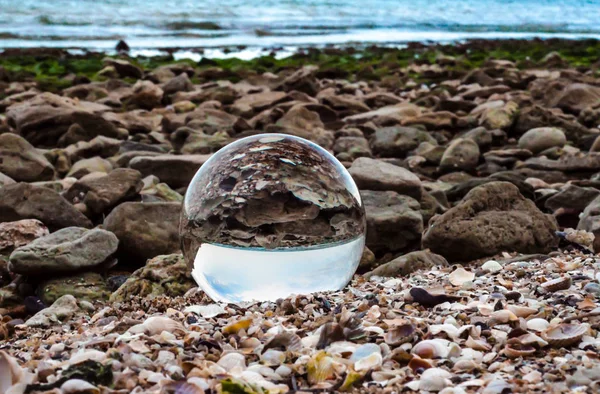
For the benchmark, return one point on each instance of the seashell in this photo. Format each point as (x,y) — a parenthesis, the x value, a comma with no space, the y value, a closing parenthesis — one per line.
(501,317)
(87,354)
(450,330)
(465,366)
(521,311)
(78,386)
(232,360)
(417,363)
(365,350)
(434,379)
(532,339)
(563,335)
(460,276)
(155,325)
(398,335)
(557,284)
(10,372)
(586,304)
(273,357)
(206,311)
(182,388)
(515,349)
(491,266)
(373,361)
(234,328)
(320,368)
(537,324)
(478,344)
(497,386)
(432,348)
(286,341)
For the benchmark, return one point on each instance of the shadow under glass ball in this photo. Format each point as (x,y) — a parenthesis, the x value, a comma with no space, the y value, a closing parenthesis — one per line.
(271,215)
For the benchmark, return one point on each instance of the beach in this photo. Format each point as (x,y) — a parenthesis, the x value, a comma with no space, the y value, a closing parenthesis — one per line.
(477,163)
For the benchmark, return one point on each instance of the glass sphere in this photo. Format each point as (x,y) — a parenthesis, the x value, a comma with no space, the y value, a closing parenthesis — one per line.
(271,215)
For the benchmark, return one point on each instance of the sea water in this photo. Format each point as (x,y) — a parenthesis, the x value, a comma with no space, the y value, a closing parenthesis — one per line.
(234,274)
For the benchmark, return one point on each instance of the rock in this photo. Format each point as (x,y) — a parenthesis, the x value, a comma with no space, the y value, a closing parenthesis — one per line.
(407,264)
(434,120)
(371,174)
(66,250)
(490,219)
(163,275)
(590,221)
(304,123)
(568,163)
(461,154)
(103,193)
(124,68)
(398,141)
(98,146)
(5,180)
(393,221)
(302,80)
(138,121)
(145,230)
(87,166)
(536,116)
(160,192)
(498,117)
(367,260)
(87,286)
(146,95)
(251,104)
(576,97)
(542,138)
(62,310)
(24,201)
(43,119)
(352,147)
(189,141)
(572,198)
(392,114)
(211,121)
(176,171)
(481,136)
(16,234)
(180,83)
(21,161)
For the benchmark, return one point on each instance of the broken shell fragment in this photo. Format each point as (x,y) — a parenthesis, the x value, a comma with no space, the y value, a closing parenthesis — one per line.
(563,335)
(515,349)
(155,325)
(557,284)
(460,276)
(435,379)
(78,386)
(398,335)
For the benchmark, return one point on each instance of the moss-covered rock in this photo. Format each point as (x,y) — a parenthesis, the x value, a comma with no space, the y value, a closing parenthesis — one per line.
(163,275)
(85,287)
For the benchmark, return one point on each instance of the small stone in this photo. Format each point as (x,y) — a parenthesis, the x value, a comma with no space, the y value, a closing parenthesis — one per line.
(592,288)
(541,138)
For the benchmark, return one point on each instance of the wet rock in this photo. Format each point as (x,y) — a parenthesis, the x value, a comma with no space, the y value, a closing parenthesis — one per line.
(392,114)
(371,174)
(43,119)
(24,201)
(63,309)
(103,193)
(398,141)
(16,234)
(163,275)
(461,154)
(408,263)
(66,250)
(176,171)
(21,161)
(393,220)
(490,219)
(124,68)
(88,286)
(145,230)
(146,95)
(540,139)
(87,166)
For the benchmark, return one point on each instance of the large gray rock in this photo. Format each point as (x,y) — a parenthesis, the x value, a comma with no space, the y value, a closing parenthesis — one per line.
(24,201)
(145,230)
(461,154)
(371,174)
(67,250)
(398,141)
(21,161)
(393,221)
(62,310)
(176,171)
(101,194)
(541,138)
(490,219)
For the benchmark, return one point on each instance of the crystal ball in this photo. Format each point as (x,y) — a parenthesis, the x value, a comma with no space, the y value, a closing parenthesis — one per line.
(269,216)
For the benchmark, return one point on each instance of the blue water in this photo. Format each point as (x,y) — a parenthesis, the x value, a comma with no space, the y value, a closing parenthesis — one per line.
(151,24)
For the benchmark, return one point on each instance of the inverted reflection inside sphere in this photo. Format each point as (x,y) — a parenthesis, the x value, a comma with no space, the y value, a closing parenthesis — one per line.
(271,215)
